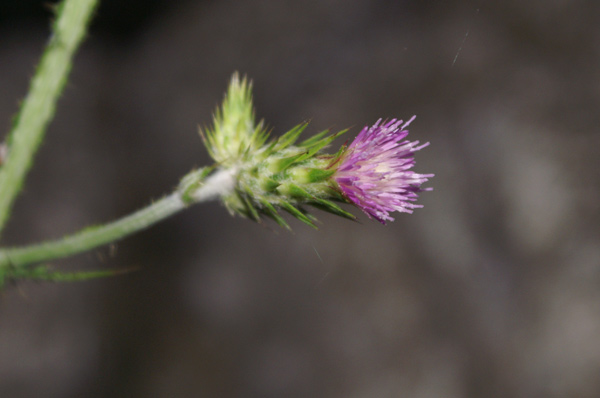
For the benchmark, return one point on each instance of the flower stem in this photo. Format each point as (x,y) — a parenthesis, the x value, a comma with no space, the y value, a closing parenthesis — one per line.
(211,188)
(38,107)
(92,237)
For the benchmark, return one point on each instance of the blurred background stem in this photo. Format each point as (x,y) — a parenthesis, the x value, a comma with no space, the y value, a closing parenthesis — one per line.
(38,107)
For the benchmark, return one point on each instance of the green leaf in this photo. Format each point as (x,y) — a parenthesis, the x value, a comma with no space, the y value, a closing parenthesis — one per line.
(298,214)
(290,137)
(270,211)
(295,191)
(332,208)
(318,175)
(312,140)
(317,146)
(260,135)
(249,208)
(43,273)
(285,163)
(337,196)
(269,184)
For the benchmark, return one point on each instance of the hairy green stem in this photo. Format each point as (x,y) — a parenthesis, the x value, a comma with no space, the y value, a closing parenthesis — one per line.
(38,107)
(94,236)
(213,187)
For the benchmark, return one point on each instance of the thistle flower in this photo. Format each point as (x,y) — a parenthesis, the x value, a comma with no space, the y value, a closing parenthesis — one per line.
(267,174)
(375,171)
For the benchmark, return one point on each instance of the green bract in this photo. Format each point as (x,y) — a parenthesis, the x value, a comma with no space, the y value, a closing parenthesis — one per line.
(272,174)
(234,134)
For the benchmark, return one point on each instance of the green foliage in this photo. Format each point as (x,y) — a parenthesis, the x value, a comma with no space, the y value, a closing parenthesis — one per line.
(45,273)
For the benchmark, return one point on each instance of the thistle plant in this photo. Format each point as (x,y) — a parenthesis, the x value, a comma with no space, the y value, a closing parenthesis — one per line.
(373,172)
(254,174)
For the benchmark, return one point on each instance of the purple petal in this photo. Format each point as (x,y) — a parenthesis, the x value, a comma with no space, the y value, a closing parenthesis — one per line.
(375,172)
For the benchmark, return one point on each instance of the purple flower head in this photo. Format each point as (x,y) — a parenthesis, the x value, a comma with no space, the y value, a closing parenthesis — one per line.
(375,170)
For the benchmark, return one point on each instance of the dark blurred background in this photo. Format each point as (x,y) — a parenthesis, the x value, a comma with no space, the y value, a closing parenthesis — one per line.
(491,290)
